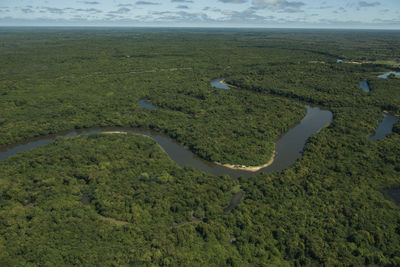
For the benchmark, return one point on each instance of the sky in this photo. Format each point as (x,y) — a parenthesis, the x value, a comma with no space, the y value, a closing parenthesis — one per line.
(369,14)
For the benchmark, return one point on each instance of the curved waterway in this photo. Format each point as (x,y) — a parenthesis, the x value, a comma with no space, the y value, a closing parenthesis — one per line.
(288,148)
(386,75)
(385,126)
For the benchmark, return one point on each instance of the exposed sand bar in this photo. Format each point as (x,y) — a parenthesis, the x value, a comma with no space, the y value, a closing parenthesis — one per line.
(248,168)
(114,132)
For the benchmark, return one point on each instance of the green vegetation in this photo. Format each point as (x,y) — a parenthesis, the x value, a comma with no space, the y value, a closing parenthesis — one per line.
(122,178)
(119,199)
(75,82)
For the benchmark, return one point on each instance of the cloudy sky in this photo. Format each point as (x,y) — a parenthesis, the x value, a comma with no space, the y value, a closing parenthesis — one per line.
(199,13)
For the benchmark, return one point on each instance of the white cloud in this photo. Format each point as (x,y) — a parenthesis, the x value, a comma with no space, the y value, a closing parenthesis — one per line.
(279,5)
(368,4)
(233,1)
(296,13)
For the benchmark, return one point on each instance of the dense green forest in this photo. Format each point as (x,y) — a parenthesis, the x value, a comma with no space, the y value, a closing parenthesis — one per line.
(119,200)
(75,82)
(56,204)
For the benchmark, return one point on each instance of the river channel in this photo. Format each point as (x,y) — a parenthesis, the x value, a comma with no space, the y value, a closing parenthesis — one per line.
(288,148)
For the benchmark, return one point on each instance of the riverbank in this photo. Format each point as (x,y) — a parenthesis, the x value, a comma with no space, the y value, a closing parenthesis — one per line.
(115,132)
(225,83)
(230,166)
(248,168)
(287,149)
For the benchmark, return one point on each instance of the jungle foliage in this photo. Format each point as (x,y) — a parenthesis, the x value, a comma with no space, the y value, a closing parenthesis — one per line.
(109,199)
(119,199)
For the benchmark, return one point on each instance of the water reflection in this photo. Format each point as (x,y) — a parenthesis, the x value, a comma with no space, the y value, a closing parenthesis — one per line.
(386,75)
(365,86)
(288,148)
(218,83)
(144,104)
(384,127)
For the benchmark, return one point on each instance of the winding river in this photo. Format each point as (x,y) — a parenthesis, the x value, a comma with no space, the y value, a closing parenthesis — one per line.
(288,148)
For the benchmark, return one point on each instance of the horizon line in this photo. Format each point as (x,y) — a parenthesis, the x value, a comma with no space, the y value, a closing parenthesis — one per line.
(198,27)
